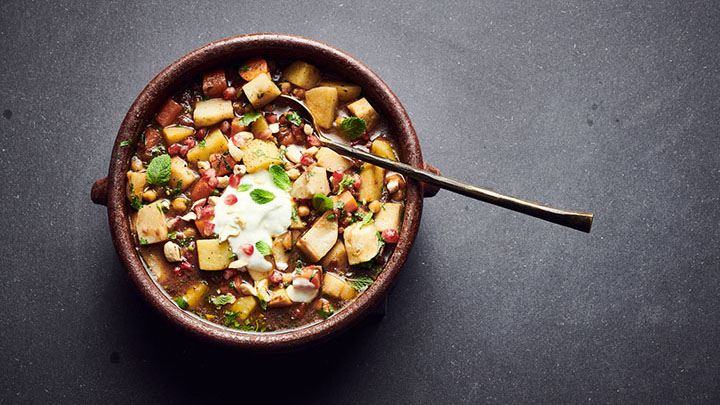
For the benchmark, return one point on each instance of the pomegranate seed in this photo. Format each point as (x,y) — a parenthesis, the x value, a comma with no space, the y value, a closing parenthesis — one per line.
(200,134)
(229,93)
(276,277)
(234,180)
(357,182)
(313,140)
(271,118)
(230,199)
(365,137)
(174,149)
(248,249)
(390,236)
(213,182)
(209,228)
(189,141)
(205,211)
(177,271)
(184,150)
(338,176)
(209,174)
(238,141)
(264,135)
(306,160)
(186,266)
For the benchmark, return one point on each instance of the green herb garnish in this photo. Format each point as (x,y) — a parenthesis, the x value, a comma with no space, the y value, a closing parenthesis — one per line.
(261,196)
(360,283)
(125,143)
(321,202)
(244,187)
(180,301)
(223,299)
(135,203)
(294,118)
(345,182)
(324,314)
(158,171)
(244,68)
(263,248)
(143,241)
(353,127)
(331,216)
(367,219)
(280,177)
(249,118)
(202,143)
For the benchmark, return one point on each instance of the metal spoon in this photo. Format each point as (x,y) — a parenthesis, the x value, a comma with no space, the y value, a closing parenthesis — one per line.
(572,219)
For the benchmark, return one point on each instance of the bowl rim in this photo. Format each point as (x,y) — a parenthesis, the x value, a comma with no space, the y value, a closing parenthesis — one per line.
(161,87)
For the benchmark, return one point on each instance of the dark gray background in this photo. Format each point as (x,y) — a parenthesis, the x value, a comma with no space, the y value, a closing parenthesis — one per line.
(609,107)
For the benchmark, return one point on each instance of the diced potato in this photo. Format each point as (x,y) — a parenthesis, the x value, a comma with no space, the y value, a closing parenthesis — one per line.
(322,103)
(244,306)
(179,172)
(381,147)
(336,259)
(263,291)
(215,142)
(346,91)
(258,126)
(278,250)
(389,216)
(260,91)
(372,176)
(195,294)
(212,111)
(279,298)
(319,239)
(336,287)
(150,224)
(157,263)
(176,134)
(259,275)
(295,221)
(213,254)
(361,242)
(331,160)
(135,185)
(259,155)
(309,183)
(364,110)
(302,74)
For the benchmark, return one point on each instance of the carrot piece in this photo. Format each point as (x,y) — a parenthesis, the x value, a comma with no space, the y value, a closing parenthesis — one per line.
(236,127)
(346,197)
(222,163)
(253,68)
(168,113)
(201,189)
(214,83)
(311,273)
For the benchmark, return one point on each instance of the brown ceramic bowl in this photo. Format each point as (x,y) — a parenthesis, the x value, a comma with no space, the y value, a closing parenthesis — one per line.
(110,191)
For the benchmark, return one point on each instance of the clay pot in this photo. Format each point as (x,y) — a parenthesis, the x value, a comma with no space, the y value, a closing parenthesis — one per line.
(110,191)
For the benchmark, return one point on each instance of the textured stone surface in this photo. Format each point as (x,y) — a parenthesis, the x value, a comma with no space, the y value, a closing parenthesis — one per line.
(610,108)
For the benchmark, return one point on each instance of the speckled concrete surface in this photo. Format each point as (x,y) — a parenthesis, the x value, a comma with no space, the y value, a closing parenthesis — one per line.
(610,108)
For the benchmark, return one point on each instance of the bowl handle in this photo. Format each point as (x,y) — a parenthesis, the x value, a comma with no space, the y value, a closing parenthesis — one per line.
(98,193)
(428,189)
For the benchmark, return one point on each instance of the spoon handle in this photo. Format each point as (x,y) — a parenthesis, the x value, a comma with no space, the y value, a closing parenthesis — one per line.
(572,219)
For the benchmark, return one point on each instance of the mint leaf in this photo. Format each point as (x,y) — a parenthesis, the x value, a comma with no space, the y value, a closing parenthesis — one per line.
(223,299)
(360,283)
(244,187)
(294,118)
(280,177)
(158,171)
(249,118)
(367,219)
(261,196)
(353,127)
(263,248)
(321,202)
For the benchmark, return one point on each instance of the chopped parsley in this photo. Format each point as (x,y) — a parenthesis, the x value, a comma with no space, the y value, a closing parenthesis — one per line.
(202,143)
(143,241)
(294,118)
(222,299)
(249,118)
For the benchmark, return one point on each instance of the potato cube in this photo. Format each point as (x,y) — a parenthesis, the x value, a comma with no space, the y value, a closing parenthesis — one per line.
(309,183)
(195,294)
(150,224)
(331,160)
(181,174)
(336,287)
(336,259)
(372,176)
(302,74)
(361,242)
(176,133)
(279,298)
(319,239)
(213,254)
(346,91)
(389,216)
(260,91)
(382,147)
(259,155)
(214,143)
(135,185)
(244,306)
(212,111)
(258,126)
(364,110)
(322,103)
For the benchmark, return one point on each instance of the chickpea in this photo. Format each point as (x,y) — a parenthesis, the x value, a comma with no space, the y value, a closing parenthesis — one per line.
(136,164)
(149,195)
(179,204)
(303,211)
(307,129)
(293,173)
(375,206)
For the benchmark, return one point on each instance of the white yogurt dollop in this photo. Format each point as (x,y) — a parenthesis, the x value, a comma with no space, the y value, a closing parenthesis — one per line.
(247,222)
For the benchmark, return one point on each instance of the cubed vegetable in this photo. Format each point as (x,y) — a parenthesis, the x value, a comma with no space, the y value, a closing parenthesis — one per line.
(336,258)
(309,183)
(364,110)
(346,91)
(331,160)
(322,103)
(244,306)
(319,239)
(302,74)
(201,189)
(279,298)
(176,133)
(135,185)
(389,216)
(382,147)
(252,68)
(150,224)
(214,83)
(215,142)
(179,172)
(372,176)
(279,247)
(212,111)
(258,126)
(223,163)
(261,91)
(168,113)
(336,287)
(194,296)
(361,242)
(213,254)
(348,201)
(259,155)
